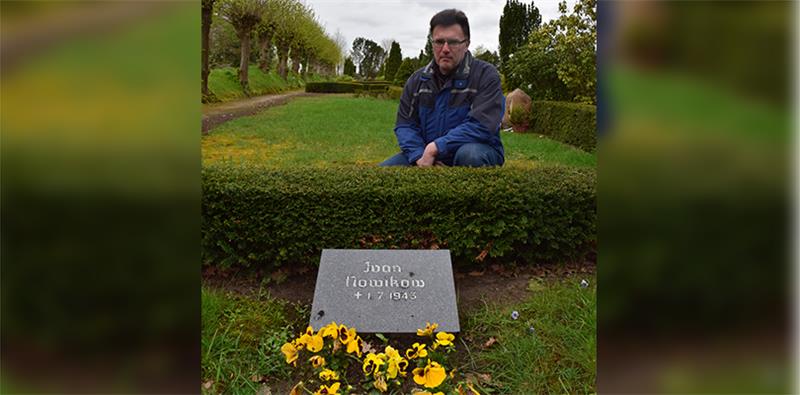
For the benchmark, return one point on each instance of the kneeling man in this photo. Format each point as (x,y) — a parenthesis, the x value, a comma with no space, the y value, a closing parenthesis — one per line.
(451,109)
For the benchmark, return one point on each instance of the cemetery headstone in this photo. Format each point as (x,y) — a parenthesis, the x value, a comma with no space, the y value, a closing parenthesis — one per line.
(385,291)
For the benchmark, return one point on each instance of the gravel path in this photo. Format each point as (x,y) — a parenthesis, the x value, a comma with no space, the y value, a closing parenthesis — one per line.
(218,113)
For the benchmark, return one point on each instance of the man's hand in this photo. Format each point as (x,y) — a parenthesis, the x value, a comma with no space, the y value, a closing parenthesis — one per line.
(429,156)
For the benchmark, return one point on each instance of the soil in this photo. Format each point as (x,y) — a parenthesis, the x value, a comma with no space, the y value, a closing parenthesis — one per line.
(216,114)
(496,283)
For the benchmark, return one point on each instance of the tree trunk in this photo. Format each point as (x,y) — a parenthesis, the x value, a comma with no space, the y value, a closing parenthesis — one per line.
(265,44)
(206,32)
(283,55)
(244,60)
(296,57)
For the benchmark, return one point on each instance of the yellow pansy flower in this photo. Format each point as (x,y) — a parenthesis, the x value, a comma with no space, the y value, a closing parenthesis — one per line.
(333,389)
(304,337)
(443,339)
(331,330)
(346,335)
(426,393)
(289,351)
(416,351)
(431,376)
(372,364)
(317,361)
(354,346)
(328,375)
(395,363)
(429,329)
(315,343)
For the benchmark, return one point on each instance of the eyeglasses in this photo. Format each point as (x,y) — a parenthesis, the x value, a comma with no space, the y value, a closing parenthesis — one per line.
(452,43)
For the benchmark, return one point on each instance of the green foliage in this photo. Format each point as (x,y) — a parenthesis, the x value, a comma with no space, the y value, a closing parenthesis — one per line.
(407,68)
(239,339)
(428,55)
(259,217)
(348,87)
(395,92)
(571,123)
(349,67)
(393,62)
(519,116)
(487,56)
(516,24)
(559,357)
(276,24)
(369,57)
(559,59)
(332,87)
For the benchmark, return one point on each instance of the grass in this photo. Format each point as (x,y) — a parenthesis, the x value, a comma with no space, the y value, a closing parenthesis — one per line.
(558,357)
(224,83)
(340,130)
(241,341)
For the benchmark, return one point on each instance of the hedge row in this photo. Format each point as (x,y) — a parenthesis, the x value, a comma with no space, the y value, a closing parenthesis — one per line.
(332,87)
(255,217)
(347,87)
(571,123)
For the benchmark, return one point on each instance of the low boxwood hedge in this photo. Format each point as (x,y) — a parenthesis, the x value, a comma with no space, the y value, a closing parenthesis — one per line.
(571,123)
(332,87)
(348,87)
(257,217)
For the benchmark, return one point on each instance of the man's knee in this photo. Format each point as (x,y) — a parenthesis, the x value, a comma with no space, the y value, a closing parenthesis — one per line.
(476,155)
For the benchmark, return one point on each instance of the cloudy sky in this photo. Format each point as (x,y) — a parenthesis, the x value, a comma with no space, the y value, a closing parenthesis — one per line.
(407,21)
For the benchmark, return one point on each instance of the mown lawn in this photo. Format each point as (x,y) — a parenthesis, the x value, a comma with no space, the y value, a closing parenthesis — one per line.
(340,130)
(241,339)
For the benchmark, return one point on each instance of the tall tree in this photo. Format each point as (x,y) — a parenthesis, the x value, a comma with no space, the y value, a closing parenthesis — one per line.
(341,46)
(349,67)
(484,54)
(428,50)
(393,62)
(286,35)
(272,16)
(559,60)
(244,15)
(207,13)
(405,71)
(422,60)
(516,24)
(370,56)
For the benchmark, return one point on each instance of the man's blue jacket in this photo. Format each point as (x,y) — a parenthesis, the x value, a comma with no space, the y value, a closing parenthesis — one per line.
(467,109)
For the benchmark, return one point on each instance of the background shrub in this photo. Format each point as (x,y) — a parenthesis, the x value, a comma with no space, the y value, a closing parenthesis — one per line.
(258,217)
(395,92)
(571,123)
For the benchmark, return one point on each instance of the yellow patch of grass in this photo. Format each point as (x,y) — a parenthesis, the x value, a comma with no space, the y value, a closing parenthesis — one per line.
(251,149)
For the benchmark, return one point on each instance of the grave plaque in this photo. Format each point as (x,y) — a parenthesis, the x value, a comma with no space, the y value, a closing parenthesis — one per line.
(386,291)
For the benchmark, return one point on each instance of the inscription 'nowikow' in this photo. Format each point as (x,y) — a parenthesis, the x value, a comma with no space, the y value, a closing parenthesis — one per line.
(386,282)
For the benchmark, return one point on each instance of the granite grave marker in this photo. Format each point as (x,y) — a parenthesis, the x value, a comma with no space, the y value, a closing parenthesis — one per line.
(386,291)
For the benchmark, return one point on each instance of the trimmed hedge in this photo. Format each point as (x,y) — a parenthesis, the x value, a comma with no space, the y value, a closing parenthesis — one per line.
(571,123)
(348,87)
(257,217)
(332,87)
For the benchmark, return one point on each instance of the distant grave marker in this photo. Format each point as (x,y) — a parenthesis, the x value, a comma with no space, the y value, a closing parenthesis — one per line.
(386,291)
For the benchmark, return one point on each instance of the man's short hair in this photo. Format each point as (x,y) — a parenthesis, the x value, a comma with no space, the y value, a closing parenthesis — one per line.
(451,17)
